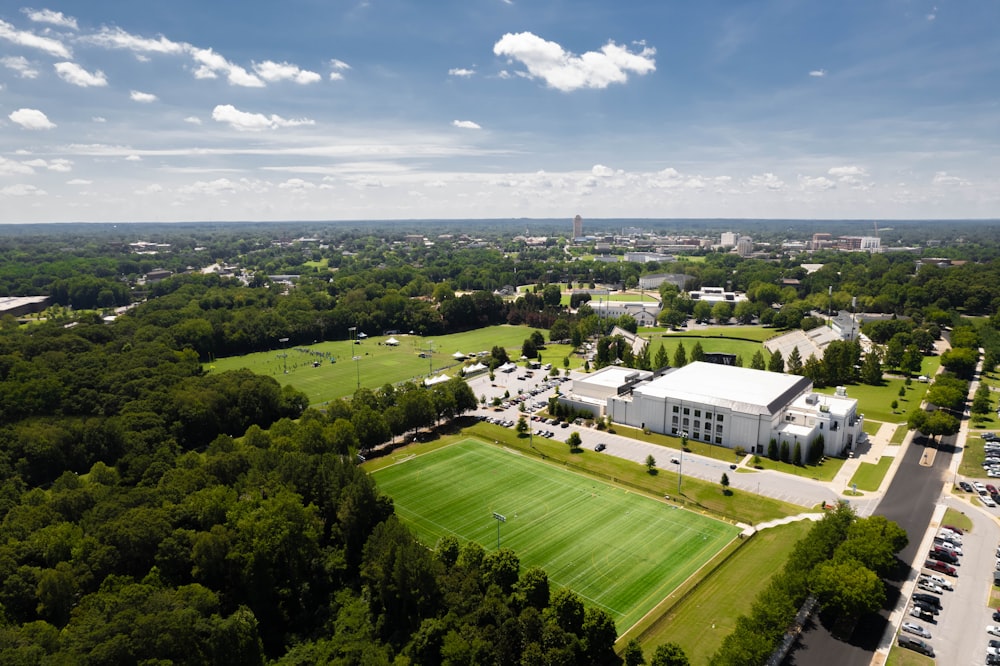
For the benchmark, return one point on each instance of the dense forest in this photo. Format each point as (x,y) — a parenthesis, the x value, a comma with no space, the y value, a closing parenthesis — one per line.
(152,513)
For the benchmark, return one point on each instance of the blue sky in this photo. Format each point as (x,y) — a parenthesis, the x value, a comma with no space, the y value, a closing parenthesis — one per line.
(376,109)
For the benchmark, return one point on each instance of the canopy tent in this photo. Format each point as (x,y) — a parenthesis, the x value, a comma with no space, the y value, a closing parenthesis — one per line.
(458,356)
(440,379)
(474,368)
(392,342)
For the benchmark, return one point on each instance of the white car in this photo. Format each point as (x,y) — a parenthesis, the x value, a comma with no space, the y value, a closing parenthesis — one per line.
(993,629)
(938,580)
(988,501)
(917,629)
(978,486)
(930,587)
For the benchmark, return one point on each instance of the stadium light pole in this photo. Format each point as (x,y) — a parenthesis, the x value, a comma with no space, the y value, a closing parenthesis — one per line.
(680,467)
(500,519)
(284,355)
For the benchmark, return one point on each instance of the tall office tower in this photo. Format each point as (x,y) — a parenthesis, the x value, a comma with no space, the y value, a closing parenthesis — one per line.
(577,227)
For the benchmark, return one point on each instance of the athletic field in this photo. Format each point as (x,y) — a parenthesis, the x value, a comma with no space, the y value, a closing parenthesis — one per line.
(619,550)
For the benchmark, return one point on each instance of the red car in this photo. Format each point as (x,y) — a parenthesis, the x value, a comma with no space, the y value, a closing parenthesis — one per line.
(959,530)
(940,567)
(991,490)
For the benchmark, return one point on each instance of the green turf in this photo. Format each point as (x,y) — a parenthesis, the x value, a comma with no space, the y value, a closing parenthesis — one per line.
(724,345)
(707,614)
(899,434)
(875,402)
(825,471)
(380,364)
(617,549)
(972,458)
(872,427)
(869,475)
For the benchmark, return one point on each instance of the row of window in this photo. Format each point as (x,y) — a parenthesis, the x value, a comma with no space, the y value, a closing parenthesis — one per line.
(697,413)
(696,435)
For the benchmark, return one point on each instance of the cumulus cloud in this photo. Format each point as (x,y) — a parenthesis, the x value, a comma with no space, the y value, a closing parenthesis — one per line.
(29,39)
(116,38)
(283,71)
(766,180)
(31,119)
(13,167)
(21,190)
(142,97)
(79,181)
(70,72)
(601,170)
(49,16)
(461,71)
(20,65)
(847,171)
(133,158)
(296,185)
(565,71)
(254,122)
(61,165)
(945,179)
(465,124)
(212,64)
(818,73)
(99,119)
(193,120)
(820,183)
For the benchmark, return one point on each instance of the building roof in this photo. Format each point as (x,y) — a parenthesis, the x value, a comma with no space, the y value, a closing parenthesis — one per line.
(740,389)
(612,376)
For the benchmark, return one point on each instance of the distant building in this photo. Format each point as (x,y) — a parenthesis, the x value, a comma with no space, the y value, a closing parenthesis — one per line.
(654,280)
(18,306)
(728,239)
(646,257)
(643,312)
(744,246)
(635,342)
(577,227)
(716,295)
(591,392)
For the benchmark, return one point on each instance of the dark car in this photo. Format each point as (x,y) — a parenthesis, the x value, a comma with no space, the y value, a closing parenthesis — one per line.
(940,567)
(601,447)
(929,599)
(996,618)
(916,644)
(926,608)
(957,530)
(964,485)
(943,556)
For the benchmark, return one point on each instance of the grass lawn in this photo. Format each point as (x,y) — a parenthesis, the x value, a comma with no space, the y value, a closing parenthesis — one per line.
(617,549)
(958,519)
(759,333)
(972,458)
(707,614)
(899,435)
(869,476)
(825,471)
(739,506)
(379,364)
(875,402)
(899,656)
(872,427)
(671,341)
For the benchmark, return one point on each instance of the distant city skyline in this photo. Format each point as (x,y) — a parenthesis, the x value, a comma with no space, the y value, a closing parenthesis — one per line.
(383,109)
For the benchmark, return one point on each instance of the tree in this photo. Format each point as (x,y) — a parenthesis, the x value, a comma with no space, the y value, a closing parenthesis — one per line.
(744,312)
(669,654)
(794,362)
(772,449)
(874,542)
(776,363)
(651,464)
(722,312)
(661,360)
(574,441)
(725,483)
(797,454)
(702,312)
(680,356)
(981,402)
(697,352)
(757,362)
(871,369)
(528,349)
(814,371)
(816,447)
(785,452)
(522,425)
(633,655)
(960,360)
(847,588)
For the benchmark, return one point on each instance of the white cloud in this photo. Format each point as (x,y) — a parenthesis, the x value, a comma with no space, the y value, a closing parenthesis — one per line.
(49,16)
(133,158)
(461,71)
(194,120)
(21,190)
(61,165)
(70,72)
(465,124)
(818,73)
(79,181)
(820,183)
(850,171)
(142,97)
(766,180)
(31,40)
(566,71)
(339,67)
(31,119)
(213,64)
(116,38)
(152,188)
(283,71)
(601,170)
(296,185)
(99,119)
(13,167)
(20,65)
(253,122)
(943,178)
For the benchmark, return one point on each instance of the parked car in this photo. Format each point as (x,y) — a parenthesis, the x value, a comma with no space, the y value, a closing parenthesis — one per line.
(917,629)
(922,613)
(916,644)
(600,447)
(943,556)
(941,567)
(988,501)
(929,599)
(937,580)
(993,629)
(964,485)
(930,587)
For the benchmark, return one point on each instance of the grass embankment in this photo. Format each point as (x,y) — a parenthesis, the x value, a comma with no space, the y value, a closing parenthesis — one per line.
(903,657)
(338,375)
(870,475)
(699,615)
(825,471)
(958,519)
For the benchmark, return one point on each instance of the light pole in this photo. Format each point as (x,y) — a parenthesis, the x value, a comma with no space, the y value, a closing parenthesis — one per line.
(500,519)
(353,330)
(680,467)
(284,354)
(357,365)
(430,355)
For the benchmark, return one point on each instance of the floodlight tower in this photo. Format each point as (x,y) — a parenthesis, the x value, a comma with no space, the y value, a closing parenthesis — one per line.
(284,354)
(500,519)
(680,467)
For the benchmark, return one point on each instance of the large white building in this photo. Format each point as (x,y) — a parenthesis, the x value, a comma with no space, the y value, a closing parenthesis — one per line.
(731,406)
(717,295)
(644,312)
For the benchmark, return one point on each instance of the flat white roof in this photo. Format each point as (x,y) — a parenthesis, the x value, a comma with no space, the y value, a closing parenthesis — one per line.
(612,376)
(740,389)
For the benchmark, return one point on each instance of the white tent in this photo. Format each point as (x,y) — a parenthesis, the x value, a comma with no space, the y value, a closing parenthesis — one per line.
(440,379)
(458,356)
(507,367)
(392,342)
(473,369)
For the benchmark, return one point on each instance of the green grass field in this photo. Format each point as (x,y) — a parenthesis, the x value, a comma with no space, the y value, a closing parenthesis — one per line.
(708,613)
(379,364)
(869,475)
(616,548)
(875,402)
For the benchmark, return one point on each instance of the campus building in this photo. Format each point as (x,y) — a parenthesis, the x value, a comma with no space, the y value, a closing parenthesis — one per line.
(716,295)
(732,406)
(591,392)
(644,312)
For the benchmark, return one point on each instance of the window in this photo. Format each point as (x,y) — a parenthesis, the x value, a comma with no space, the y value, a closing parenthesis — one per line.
(718,417)
(718,440)
(707,437)
(708,415)
(686,423)
(708,426)
(673,431)
(675,409)
(687,411)
(673,420)
(697,412)
(718,428)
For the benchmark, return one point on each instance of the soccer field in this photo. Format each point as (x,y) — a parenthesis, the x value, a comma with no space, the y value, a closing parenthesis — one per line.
(619,550)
